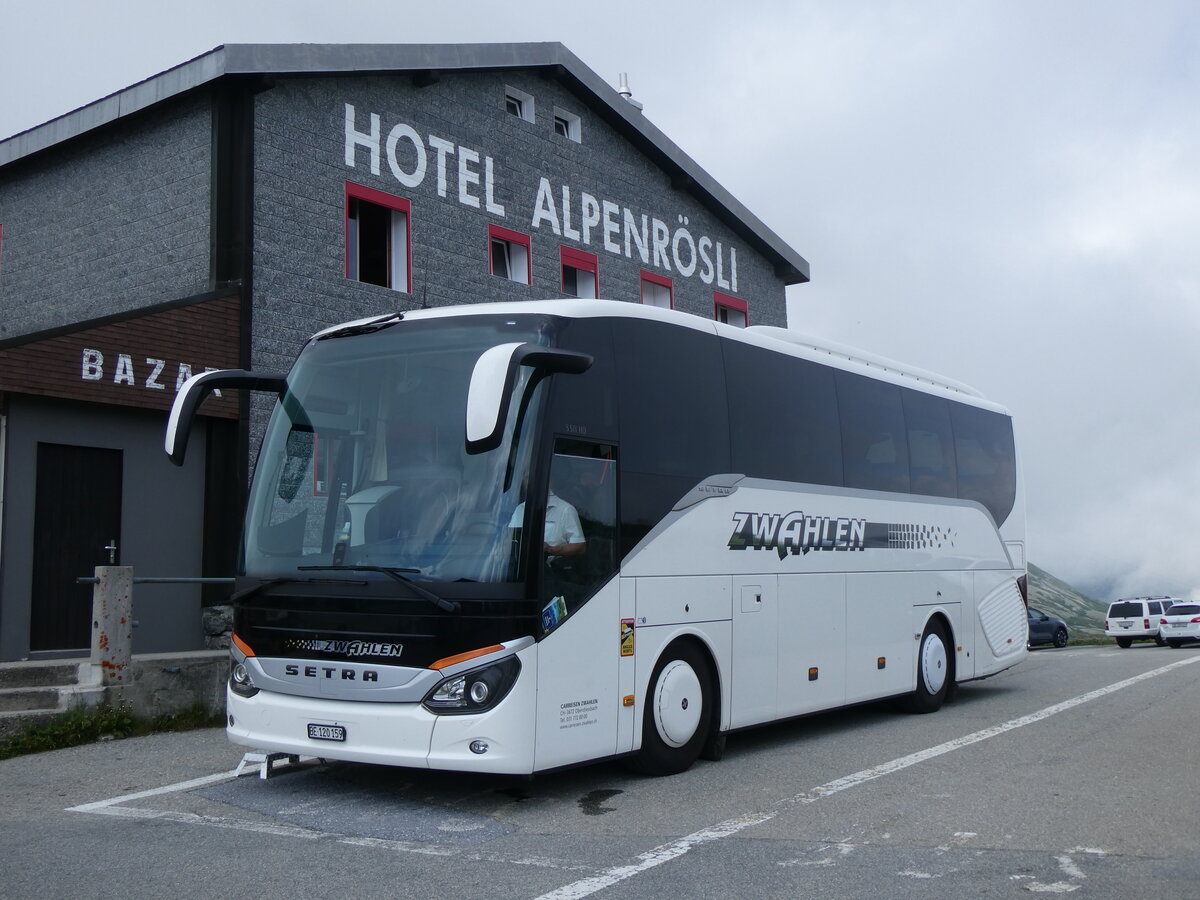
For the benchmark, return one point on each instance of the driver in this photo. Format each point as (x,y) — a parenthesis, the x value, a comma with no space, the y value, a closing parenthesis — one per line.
(563,535)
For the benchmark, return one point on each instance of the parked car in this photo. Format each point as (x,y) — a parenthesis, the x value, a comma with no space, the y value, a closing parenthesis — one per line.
(1045,629)
(1180,624)
(1137,619)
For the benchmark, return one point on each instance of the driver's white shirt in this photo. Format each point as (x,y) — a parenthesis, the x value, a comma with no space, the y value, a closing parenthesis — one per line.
(562,521)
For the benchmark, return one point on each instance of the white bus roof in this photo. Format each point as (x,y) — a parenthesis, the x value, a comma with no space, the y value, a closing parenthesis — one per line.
(781,340)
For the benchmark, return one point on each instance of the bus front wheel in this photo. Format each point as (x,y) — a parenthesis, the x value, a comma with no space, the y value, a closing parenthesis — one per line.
(678,711)
(933,671)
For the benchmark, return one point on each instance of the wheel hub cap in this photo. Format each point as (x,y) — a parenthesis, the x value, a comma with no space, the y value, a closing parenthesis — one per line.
(677,703)
(933,664)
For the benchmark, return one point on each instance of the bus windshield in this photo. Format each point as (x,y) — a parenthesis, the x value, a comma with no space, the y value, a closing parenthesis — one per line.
(364,461)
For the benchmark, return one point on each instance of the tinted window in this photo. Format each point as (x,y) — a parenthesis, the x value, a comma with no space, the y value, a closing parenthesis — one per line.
(582,510)
(783,417)
(1184,609)
(674,417)
(931,462)
(1125,610)
(874,442)
(585,405)
(983,444)
(645,499)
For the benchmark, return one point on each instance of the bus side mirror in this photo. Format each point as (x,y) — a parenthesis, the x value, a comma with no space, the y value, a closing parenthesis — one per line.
(489,396)
(197,388)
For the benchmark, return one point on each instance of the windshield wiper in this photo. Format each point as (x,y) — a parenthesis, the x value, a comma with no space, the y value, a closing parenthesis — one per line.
(398,574)
(362,327)
(246,593)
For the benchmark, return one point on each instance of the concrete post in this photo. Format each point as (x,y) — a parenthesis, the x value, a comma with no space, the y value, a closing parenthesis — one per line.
(112,624)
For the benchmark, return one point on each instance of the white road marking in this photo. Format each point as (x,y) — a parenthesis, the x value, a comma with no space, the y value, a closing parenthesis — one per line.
(645,861)
(154,792)
(667,852)
(1069,867)
(110,807)
(105,808)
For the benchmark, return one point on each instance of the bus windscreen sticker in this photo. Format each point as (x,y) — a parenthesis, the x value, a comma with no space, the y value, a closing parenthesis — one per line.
(796,533)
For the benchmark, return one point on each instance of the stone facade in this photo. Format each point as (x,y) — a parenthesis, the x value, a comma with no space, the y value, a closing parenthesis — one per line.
(299,203)
(114,221)
(219,189)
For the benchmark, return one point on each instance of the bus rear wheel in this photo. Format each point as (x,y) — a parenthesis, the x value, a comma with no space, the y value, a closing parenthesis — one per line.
(933,672)
(678,712)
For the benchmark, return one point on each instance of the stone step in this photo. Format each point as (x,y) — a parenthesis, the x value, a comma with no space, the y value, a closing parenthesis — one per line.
(39,673)
(27,698)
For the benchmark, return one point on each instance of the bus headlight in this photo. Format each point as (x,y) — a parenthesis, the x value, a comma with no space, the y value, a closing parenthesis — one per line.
(240,681)
(474,691)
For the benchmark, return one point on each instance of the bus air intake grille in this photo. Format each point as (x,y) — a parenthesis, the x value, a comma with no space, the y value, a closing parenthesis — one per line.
(1002,615)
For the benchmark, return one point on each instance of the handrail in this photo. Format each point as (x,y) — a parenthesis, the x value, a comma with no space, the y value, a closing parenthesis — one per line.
(92,579)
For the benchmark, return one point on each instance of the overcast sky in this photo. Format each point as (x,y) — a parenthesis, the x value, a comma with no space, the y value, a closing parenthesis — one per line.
(1005,192)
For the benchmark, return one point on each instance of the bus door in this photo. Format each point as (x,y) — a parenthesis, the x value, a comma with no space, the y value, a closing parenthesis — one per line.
(578,703)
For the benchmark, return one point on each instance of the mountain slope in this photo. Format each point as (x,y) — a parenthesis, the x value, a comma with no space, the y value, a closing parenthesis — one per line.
(1084,615)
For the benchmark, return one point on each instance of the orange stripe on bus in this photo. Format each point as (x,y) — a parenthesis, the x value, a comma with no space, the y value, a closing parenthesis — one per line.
(462,657)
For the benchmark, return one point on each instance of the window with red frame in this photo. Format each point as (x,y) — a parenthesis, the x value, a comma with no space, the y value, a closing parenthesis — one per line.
(378,240)
(657,290)
(730,310)
(580,273)
(508,254)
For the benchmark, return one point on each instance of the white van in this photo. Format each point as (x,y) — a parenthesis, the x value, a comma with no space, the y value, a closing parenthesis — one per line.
(1136,618)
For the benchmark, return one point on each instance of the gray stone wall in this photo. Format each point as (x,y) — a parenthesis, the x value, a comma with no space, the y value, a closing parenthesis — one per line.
(113,221)
(301,171)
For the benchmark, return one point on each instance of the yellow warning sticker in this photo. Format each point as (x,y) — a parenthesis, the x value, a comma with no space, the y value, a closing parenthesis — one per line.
(627,637)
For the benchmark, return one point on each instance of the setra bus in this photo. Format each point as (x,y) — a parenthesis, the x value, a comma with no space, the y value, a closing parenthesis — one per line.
(514,537)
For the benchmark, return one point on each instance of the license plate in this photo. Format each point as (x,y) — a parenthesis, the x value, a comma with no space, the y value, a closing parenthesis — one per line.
(1125,624)
(327,732)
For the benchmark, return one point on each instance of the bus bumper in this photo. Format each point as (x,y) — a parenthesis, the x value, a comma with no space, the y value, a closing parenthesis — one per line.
(391,734)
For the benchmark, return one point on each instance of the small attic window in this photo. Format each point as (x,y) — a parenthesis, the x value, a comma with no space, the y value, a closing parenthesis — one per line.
(566,124)
(518,103)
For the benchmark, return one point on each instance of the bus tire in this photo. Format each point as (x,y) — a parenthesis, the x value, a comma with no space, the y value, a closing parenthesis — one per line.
(934,671)
(677,715)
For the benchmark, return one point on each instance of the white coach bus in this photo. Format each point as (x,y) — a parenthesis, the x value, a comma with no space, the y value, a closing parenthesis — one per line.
(515,537)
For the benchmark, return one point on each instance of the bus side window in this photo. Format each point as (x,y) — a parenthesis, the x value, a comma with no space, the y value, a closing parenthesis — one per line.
(674,419)
(983,444)
(874,442)
(783,417)
(930,445)
(582,508)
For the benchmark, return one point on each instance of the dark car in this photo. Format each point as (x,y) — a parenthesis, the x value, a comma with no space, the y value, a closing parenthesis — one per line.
(1044,629)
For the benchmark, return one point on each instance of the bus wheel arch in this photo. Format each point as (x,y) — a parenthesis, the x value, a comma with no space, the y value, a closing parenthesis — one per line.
(681,713)
(935,667)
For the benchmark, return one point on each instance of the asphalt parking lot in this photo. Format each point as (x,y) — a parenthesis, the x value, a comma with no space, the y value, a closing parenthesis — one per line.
(1072,773)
